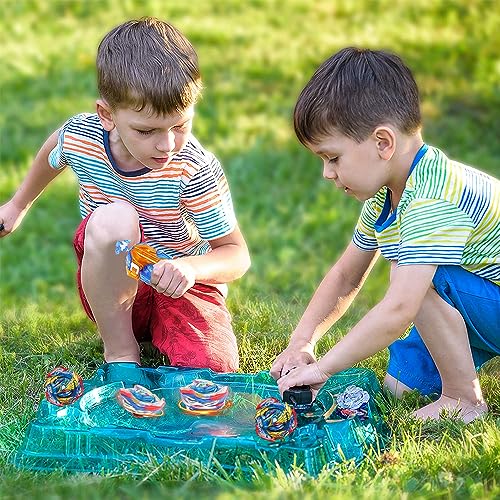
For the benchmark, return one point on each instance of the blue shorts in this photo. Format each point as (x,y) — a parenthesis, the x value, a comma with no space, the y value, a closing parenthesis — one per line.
(478,301)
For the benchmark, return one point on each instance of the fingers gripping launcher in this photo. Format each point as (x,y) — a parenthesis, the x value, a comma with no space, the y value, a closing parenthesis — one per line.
(139,259)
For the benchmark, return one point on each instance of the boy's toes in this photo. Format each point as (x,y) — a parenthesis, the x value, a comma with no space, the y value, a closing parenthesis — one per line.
(472,412)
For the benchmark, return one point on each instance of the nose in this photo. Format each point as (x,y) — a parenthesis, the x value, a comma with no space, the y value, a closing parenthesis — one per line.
(328,171)
(167,142)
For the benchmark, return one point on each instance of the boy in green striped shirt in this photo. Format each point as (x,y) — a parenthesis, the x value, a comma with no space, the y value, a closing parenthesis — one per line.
(437,221)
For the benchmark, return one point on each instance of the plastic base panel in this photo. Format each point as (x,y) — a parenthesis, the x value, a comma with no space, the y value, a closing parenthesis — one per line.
(95,434)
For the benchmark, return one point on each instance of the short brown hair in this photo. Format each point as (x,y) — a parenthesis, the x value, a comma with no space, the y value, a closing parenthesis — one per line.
(148,63)
(353,92)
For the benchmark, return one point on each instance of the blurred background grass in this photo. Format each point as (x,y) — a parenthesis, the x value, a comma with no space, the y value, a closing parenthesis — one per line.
(255,57)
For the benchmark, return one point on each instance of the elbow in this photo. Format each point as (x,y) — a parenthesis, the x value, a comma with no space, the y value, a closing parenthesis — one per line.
(237,266)
(399,314)
(245,263)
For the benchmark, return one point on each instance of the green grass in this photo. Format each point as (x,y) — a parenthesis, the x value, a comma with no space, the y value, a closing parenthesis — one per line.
(255,58)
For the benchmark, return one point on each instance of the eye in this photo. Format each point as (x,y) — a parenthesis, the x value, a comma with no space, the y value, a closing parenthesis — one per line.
(333,160)
(145,132)
(183,127)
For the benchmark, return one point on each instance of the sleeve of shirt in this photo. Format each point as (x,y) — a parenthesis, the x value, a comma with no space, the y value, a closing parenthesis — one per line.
(207,200)
(57,159)
(364,232)
(433,232)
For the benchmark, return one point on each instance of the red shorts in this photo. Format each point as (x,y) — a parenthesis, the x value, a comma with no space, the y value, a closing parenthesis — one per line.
(193,330)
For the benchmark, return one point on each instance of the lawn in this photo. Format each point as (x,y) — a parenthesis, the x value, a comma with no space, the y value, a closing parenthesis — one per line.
(255,57)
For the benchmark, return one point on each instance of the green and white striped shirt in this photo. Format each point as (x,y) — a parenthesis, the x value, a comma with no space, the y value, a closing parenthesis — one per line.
(449,214)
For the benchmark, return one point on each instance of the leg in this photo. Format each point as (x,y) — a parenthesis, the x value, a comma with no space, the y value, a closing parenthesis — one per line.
(410,365)
(195,330)
(109,291)
(444,332)
(477,301)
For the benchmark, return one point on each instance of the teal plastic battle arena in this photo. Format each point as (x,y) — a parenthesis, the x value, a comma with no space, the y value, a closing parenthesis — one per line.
(97,434)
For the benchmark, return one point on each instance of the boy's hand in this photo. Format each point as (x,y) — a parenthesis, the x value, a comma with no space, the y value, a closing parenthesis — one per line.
(311,374)
(173,277)
(293,356)
(10,218)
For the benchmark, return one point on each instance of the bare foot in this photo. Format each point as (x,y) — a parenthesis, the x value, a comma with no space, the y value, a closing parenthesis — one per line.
(451,407)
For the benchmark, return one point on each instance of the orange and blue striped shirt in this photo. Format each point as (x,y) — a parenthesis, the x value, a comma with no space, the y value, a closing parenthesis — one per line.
(181,207)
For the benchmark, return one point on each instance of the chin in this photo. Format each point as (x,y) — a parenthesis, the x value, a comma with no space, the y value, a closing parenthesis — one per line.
(361,197)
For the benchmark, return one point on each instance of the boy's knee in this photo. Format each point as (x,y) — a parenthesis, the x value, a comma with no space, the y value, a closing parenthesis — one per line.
(112,222)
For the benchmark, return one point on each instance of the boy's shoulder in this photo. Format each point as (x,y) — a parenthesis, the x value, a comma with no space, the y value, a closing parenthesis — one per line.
(441,180)
(84,124)
(436,166)
(195,154)
(82,120)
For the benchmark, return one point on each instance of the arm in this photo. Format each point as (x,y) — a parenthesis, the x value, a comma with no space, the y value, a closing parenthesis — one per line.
(37,178)
(379,328)
(207,200)
(330,301)
(228,261)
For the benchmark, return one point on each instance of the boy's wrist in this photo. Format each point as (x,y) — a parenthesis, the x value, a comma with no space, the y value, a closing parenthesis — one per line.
(324,369)
(20,204)
(194,268)
(301,341)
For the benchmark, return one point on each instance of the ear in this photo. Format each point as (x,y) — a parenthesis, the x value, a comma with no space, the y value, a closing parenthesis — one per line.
(105,115)
(385,139)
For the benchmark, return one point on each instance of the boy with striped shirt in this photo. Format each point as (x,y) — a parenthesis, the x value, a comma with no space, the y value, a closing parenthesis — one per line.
(144,177)
(437,221)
